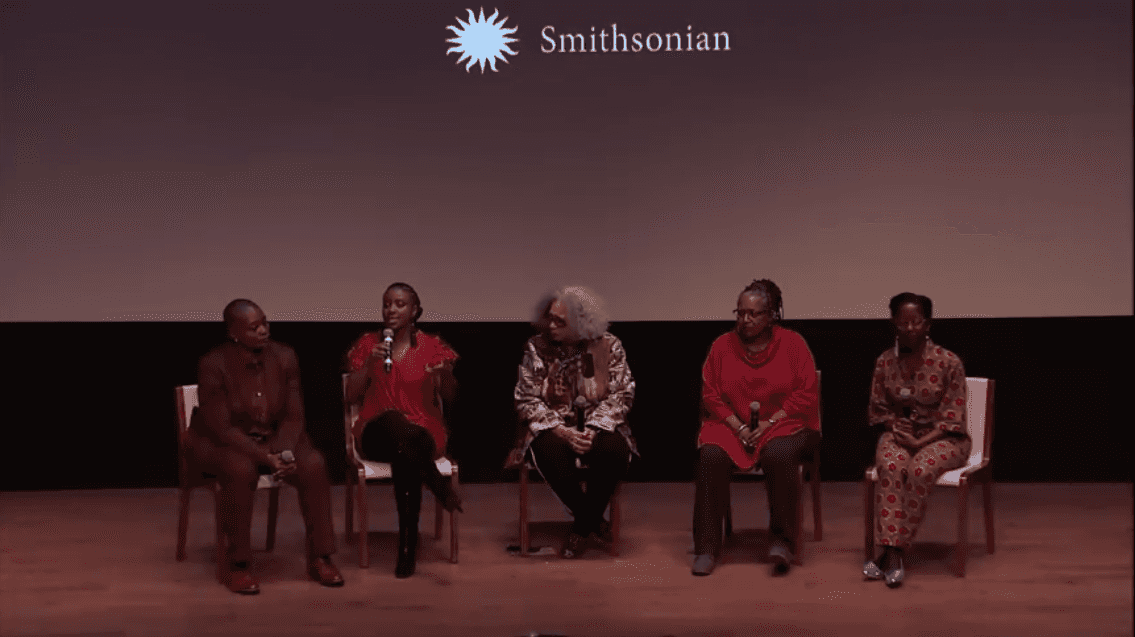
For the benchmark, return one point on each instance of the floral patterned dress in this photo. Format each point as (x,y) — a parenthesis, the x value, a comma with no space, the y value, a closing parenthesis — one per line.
(932,394)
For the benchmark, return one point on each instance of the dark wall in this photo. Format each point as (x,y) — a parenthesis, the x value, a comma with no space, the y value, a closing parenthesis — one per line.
(90,405)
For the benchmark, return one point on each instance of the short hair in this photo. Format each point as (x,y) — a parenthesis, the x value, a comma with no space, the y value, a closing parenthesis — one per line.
(586,316)
(414,293)
(767,290)
(923,302)
(235,307)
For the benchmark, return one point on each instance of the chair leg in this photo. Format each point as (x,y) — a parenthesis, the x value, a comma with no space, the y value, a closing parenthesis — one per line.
(182,522)
(348,490)
(868,519)
(523,515)
(963,529)
(616,521)
(364,524)
(987,495)
(439,519)
(453,522)
(220,545)
(728,510)
(273,511)
(817,515)
(798,550)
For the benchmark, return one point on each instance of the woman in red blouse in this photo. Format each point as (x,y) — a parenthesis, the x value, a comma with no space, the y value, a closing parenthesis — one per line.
(757,361)
(918,396)
(400,421)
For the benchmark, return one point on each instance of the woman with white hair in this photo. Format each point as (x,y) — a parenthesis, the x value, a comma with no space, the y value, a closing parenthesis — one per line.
(573,393)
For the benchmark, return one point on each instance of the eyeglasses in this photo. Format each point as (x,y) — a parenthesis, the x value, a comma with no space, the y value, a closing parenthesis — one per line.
(746,314)
(911,325)
(556,320)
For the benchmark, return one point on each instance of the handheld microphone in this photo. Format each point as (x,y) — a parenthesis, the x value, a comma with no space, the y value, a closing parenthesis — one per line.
(904,393)
(754,420)
(388,341)
(287,456)
(580,406)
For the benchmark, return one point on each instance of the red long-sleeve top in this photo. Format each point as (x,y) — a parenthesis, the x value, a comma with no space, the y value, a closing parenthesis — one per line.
(783,376)
(408,388)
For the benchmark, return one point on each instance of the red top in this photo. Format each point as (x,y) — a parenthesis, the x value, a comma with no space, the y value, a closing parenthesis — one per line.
(783,376)
(407,388)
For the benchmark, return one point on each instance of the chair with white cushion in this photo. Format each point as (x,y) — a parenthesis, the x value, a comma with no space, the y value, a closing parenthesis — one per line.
(191,477)
(979,425)
(361,472)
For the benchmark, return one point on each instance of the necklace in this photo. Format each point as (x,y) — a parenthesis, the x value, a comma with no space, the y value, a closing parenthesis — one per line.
(757,349)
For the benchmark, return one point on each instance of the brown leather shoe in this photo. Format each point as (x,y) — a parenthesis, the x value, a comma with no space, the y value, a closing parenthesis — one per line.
(241,581)
(324,572)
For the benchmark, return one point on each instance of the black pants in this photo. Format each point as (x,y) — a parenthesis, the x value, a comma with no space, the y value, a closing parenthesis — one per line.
(239,474)
(606,463)
(779,461)
(410,450)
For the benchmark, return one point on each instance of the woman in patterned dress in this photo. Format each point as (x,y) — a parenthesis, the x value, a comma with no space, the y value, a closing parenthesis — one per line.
(758,361)
(918,396)
(573,392)
(400,421)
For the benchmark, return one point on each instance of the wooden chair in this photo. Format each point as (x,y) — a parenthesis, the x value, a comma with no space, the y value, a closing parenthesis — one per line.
(525,465)
(979,424)
(809,468)
(191,477)
(361,472)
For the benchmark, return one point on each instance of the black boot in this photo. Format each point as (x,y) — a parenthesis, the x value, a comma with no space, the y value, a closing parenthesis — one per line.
(409,504)
(407,550)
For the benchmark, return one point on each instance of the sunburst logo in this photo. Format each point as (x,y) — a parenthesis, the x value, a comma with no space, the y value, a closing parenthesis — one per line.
(481,40)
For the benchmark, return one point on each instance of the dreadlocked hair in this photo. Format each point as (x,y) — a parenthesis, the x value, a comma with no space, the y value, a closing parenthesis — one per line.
(767,290)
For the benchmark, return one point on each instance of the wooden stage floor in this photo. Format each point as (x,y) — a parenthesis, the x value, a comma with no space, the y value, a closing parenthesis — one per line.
(102,563)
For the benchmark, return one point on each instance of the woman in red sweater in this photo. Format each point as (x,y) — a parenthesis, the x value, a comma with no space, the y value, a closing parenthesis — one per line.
(400,421)
(763,362)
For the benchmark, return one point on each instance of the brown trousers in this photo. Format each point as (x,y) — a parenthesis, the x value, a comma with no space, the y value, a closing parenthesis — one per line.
(238,475)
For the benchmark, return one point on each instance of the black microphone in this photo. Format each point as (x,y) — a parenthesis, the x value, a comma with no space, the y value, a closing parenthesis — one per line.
(905,394)
(588,370)
(754,422)
(580,406)
(388,341)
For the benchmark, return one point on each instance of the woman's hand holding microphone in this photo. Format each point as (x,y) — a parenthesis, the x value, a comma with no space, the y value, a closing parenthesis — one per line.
(580,441)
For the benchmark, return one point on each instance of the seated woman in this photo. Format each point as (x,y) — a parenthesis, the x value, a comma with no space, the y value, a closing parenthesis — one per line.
(250,420)
(573,393)
(399,381)
(918,396)
(757,361)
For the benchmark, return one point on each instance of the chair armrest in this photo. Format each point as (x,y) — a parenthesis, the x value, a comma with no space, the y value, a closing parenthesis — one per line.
(871,475)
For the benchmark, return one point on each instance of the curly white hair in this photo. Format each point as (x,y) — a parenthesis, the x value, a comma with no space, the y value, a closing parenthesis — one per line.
(587,318)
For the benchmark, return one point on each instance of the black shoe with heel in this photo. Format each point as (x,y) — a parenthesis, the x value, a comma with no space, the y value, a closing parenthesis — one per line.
(407,552)
(409,505)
